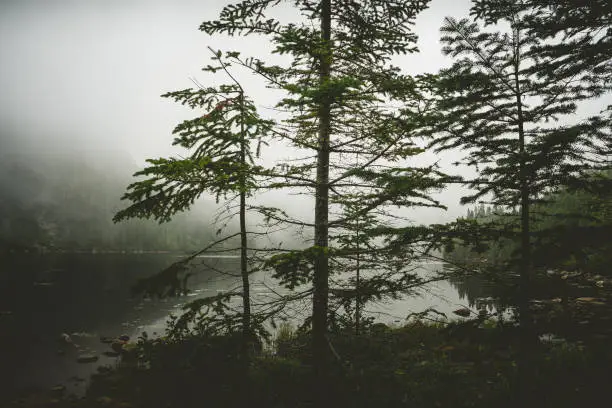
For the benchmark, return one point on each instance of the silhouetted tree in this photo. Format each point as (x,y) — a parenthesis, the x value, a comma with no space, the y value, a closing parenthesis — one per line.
(340,93)
(497,102)
(220,162)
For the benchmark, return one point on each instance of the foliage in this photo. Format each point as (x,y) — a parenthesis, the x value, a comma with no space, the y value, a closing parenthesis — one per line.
(350,117)
(577,33)
(213,166)
(414,365)
(569,231)
(220,162)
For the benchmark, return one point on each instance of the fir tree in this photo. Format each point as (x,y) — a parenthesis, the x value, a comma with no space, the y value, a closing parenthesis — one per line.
(578,34)
(344,99)
(501,104)
(220,162)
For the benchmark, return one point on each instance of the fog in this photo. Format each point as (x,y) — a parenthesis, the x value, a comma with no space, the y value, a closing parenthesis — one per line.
(86,77)
(80,112)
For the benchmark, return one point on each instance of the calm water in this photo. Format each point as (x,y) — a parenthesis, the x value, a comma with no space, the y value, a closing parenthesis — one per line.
(87,296)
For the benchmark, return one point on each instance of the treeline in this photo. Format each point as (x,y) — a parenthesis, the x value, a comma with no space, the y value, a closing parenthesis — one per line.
(63,202)
(572,229)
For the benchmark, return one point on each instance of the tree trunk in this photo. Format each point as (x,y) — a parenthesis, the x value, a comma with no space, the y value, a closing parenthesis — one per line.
(244,272)
(525,319)
(321,264)
(358,286)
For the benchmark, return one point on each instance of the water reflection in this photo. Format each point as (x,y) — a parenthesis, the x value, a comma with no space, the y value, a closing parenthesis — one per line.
(87,297)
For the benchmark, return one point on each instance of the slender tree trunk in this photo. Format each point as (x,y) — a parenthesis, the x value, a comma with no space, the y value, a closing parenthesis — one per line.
(244,272)
(321,264)
(525,320)
(358,287)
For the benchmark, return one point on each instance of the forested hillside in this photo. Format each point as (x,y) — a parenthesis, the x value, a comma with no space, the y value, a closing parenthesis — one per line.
(66,202)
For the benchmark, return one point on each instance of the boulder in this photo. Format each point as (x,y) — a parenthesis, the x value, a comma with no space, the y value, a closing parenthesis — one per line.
(106,340)
(117,346)
(83,335)
(590,301)
(65,338)
(87,358)
(58,390)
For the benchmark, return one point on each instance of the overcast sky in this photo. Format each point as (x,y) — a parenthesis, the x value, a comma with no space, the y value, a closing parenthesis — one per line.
(91,72)
(88,74)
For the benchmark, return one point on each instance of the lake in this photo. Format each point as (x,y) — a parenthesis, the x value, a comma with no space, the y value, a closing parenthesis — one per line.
(87,296)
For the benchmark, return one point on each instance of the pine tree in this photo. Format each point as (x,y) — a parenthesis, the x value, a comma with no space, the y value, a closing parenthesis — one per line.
(220,162)
(575,42)
(497,102)
(578,33)
(344,99)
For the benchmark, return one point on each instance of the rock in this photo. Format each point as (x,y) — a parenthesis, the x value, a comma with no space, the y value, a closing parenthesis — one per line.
(590,301)
(106,340)
(65,338)
(58,390)
(87,358)
(463,312)
(104,369)
(552,339)
(124,337)
(117,346)
(83,335)
(111,353)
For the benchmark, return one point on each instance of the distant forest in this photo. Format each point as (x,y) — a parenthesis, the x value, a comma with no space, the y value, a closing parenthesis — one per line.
(571,234)
(571,231)
(65,202)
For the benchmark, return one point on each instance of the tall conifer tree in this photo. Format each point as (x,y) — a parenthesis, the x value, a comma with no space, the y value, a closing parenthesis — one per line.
(221,143)
(345,99)
(503,105)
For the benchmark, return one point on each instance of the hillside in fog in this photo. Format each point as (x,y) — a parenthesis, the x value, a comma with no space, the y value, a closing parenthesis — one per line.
(66,201)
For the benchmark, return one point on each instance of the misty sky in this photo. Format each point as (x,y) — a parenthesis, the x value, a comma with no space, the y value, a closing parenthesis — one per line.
(88,75)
